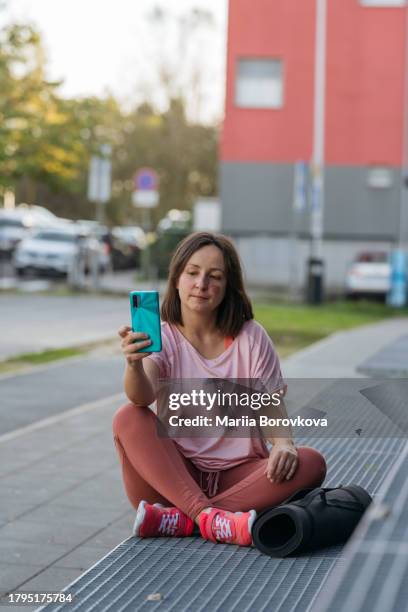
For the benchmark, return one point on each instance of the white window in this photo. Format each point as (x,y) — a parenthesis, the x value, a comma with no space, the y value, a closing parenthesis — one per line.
(380,177)
(259,83)
(383,2)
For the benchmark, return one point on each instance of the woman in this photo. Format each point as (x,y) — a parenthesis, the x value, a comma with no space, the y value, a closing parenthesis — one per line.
(218,483)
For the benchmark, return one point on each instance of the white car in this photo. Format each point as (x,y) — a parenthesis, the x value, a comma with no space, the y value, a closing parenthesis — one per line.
(38,215)
(369,275)
(12,230)
(53,251)
(50,250)
(16,223)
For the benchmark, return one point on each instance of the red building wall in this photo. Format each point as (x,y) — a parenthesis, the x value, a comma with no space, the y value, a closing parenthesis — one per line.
(364,82)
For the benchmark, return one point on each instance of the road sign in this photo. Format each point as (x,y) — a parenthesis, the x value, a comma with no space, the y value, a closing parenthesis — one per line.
(301,172)
(146,179)
(146,188)
(99,178)
(145,199)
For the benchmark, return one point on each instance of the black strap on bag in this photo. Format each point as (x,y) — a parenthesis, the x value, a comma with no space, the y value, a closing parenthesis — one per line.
(310,519)
(337,503)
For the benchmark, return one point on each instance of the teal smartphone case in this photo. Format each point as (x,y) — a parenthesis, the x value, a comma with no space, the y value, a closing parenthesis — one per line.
(145,316)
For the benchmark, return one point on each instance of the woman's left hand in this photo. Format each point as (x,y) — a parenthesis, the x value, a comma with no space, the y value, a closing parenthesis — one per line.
(282,462)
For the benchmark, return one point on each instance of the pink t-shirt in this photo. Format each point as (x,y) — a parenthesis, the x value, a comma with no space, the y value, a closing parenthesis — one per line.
(250,356)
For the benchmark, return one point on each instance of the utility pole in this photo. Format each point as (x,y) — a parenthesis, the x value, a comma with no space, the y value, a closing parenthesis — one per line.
(315,262)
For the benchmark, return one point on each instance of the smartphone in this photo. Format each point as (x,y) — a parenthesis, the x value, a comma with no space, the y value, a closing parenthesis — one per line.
(145,317)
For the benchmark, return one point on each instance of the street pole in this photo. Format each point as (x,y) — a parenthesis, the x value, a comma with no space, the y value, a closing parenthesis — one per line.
(147,228)
(99,191)
(315,263)
(397,296)
(146,196)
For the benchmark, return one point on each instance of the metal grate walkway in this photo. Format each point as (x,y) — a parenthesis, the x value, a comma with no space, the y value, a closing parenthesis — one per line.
(374,573)
(192,575)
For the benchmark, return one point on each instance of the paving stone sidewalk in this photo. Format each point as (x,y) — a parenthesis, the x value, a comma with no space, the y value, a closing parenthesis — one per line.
(63,505)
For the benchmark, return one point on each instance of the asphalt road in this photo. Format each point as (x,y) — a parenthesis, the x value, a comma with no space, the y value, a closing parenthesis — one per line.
(48,391)
(31,323)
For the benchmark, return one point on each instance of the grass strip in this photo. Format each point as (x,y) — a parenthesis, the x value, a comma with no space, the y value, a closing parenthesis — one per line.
(25,360)
(295,326)
(30,359)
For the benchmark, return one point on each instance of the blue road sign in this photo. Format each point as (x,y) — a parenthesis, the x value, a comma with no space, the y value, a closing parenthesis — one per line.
(146,179)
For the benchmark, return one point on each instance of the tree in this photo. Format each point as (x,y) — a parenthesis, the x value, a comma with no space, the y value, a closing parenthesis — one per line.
(88,123)
(183,154)
(46,141)
(30,111)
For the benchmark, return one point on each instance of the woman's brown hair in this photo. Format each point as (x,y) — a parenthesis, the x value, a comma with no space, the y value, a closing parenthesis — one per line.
(235,308)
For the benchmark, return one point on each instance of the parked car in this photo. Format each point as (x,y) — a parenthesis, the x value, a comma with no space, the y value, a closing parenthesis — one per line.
(126,243)
(38,215)
(16,223)
(52,251)
(12,230)
(369,275)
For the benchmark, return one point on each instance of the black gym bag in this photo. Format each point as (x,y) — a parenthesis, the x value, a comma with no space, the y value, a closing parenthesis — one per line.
(310,519)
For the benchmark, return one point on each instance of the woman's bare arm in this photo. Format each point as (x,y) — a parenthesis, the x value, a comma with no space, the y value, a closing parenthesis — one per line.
(141,374)
(140,382)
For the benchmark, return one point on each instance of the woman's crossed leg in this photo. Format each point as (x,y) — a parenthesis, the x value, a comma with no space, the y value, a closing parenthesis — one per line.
(154,471)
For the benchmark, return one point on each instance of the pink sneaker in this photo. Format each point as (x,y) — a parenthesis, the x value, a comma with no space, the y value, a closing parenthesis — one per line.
(153,521)
(227,527)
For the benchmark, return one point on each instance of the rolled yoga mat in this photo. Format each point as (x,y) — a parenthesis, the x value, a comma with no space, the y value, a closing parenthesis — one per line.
(310,519)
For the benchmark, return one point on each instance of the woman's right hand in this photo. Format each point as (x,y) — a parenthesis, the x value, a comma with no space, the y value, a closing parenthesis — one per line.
(131,343)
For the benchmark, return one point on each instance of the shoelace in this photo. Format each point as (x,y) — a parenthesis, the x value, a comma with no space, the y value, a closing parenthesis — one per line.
(222,527)
(169,523)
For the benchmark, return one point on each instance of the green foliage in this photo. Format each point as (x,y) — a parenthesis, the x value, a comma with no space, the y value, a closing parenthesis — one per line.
(33,147)
(184,155)
(46,141)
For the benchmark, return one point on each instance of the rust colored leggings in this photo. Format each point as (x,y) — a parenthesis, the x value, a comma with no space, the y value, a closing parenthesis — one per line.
(155,470)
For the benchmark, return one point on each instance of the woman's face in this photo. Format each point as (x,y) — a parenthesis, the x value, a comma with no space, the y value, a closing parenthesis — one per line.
(202,283)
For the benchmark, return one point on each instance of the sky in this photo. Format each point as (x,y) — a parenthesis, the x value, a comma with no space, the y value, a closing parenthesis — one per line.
(96,46)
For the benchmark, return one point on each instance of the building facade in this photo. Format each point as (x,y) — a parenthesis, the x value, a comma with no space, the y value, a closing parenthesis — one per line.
(268,128)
